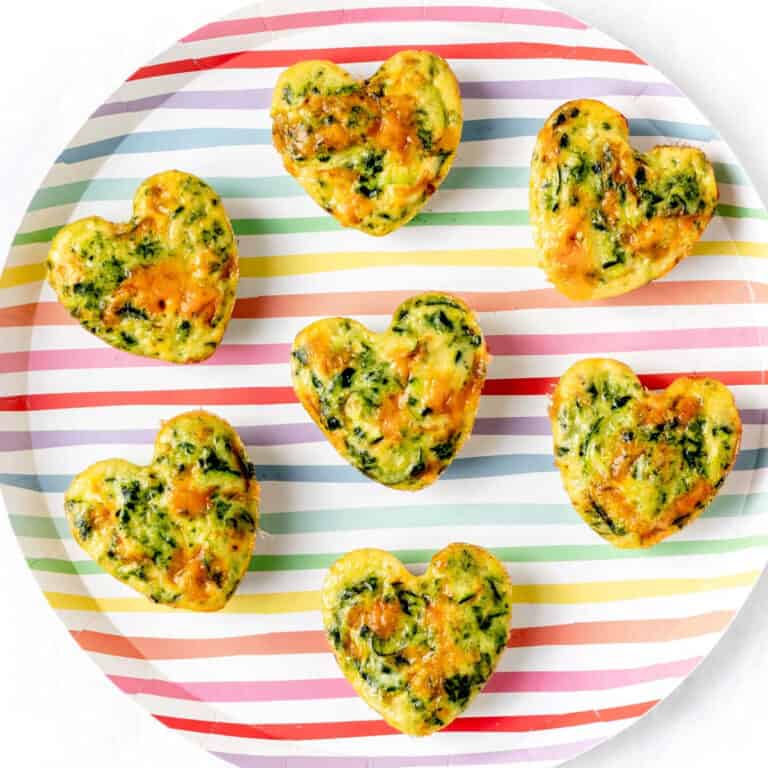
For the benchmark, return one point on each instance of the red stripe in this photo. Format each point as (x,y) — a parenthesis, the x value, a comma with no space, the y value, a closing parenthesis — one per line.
(234,396)
(544,385)
(314,641)
(356,729)
(279,395)
(284,58)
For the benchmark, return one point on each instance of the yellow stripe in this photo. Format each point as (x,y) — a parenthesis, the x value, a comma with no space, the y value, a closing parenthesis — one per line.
(26,273)
(731,248)
(608,591)
(309,263)
(282,602)
(301,264)
(292,602)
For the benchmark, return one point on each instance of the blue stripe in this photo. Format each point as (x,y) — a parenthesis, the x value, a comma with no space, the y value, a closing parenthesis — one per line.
(461,469)
(163,141)
(514,127)
(474,130)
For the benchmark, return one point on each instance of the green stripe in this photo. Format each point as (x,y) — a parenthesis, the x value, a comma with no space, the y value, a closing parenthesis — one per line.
(426,516)
(726,173)
(40,527)
(36,236)
(487,177)
(545,554)
(308,224)
(68,567)
(735,212)
(232,187)
(483,177)
(510,218)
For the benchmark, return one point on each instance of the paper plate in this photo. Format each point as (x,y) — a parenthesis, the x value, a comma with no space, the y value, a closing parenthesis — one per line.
(600,635)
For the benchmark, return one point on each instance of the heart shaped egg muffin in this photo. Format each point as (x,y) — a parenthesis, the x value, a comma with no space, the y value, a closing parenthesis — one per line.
(637,465)
(607,218)
(397,405)
(370,152)
(418,649)
(161,285)
(180,530)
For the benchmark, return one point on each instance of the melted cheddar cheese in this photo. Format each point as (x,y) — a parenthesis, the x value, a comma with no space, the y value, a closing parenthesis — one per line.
(162,285)
(639,466)
(608,219)
(370,153)
(180,530)
(418,649)
(398,405)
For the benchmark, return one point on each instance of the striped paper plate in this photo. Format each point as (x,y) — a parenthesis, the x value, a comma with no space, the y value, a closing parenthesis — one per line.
(600,635)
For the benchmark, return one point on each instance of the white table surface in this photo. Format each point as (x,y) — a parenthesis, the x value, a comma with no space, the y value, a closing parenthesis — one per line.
(60,59)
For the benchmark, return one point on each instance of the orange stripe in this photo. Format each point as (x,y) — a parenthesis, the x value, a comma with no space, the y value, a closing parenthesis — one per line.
(687,292)
(160,648)
(384,302)
(637,631)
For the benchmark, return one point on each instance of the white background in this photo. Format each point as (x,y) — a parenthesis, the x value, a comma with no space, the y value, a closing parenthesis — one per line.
(60,59)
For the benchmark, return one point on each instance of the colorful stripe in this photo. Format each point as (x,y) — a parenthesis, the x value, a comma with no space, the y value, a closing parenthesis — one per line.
(314,641)
(677,293)
(259,59)
(471,467)
(504,757)
(261,98)
(433,515)
(340,688)
(360,728)
(178,139)
(273,434)
(304,264)
(556,553)
(234,187)
(308,224)
(499,345)
(539,385)
(574,593)
(476,14)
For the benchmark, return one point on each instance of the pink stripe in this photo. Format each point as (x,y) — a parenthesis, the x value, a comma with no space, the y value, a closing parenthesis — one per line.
(530,344)
(586,680)
(107,357)
(458,13)
(339,688)
(627,341)
(277,690)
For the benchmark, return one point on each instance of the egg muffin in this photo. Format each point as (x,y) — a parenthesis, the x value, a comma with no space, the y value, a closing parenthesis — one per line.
(160,285)
(398,405)
(418,649)
(180,530)
(608,219)
(370,152)
(639,466)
